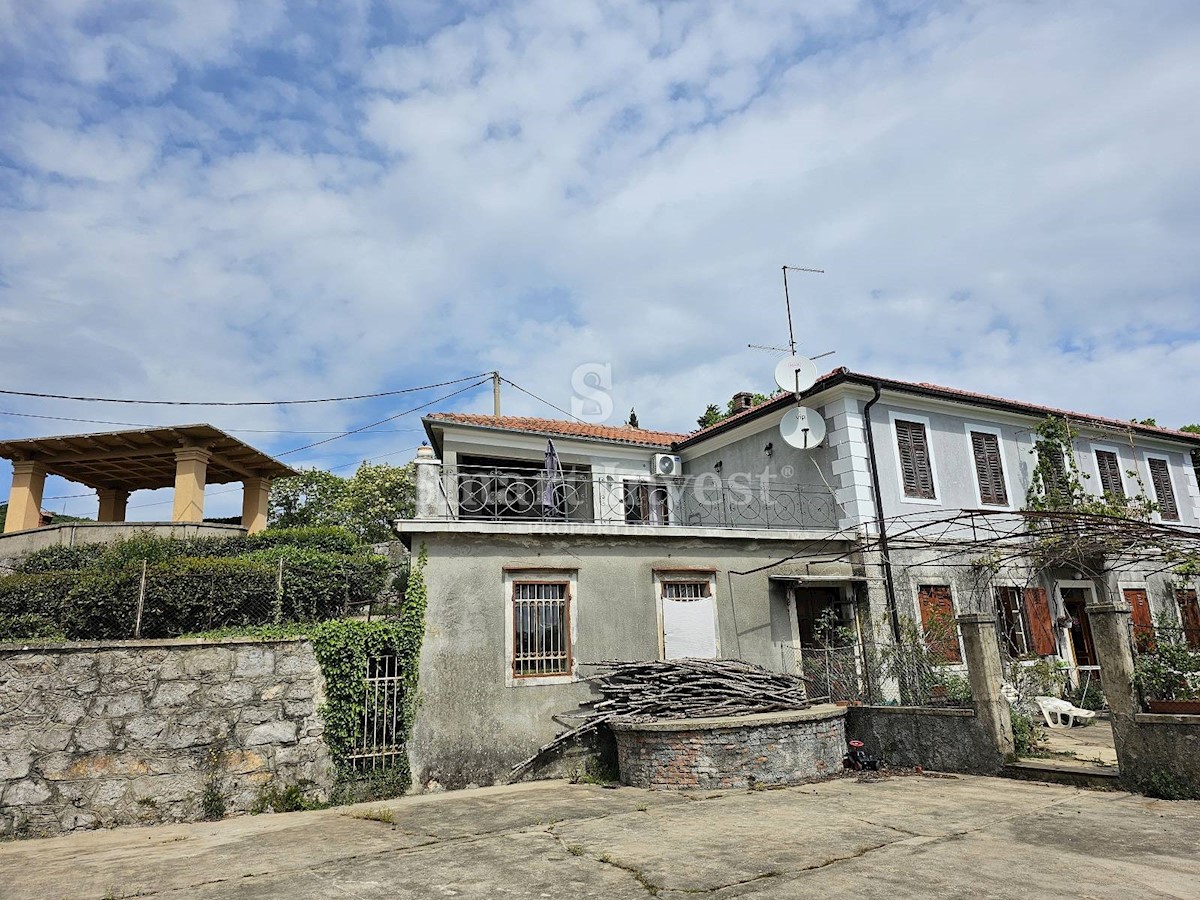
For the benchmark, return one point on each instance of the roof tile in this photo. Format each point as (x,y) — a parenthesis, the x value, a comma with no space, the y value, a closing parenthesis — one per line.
(621,434)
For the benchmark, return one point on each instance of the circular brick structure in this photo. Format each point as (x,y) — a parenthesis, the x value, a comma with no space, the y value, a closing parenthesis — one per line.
(731,751)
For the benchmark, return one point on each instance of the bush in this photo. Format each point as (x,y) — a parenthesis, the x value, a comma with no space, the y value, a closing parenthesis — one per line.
(29,627)
(60,559)
(43,594)
(1171,672)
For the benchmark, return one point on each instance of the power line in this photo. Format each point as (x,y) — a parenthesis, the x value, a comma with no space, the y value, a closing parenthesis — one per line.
(411,390)
(5,412)
(541,400)
(362,428)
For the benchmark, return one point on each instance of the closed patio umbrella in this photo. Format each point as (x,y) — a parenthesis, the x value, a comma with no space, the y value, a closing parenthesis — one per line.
(554,485)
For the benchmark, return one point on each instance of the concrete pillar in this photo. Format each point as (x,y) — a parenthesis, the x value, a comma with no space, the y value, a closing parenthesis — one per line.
(982,656)
(25,496)
(431,501)
(255,493)
(191,468)
(112,504)
(1114,651)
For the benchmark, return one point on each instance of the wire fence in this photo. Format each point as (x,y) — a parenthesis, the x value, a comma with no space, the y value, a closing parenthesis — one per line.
(873,674)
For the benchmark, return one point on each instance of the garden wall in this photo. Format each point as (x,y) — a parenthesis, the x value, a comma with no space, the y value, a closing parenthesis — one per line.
(937,738)
(1159,754)
(139,732)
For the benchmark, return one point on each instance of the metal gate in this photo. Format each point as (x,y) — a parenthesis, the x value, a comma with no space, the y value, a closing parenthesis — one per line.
(380,743)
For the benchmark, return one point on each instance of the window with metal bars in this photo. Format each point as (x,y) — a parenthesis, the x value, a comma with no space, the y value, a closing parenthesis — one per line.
(1109,467)
(915,468)
(989,468)
(541,628)
(1160,475)
(685,590)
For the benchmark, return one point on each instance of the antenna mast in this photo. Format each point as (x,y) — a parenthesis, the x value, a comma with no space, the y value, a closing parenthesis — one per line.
(788,300)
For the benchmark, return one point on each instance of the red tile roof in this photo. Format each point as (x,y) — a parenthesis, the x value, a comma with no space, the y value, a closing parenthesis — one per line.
(621,434)
(665,439)
(927,389)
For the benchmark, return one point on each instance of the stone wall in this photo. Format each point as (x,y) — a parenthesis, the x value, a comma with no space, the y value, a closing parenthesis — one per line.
(935,738)
(139,732)
(731,752)
(1159,754)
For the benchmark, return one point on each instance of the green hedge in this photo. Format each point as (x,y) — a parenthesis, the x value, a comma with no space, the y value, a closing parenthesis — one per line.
(188,593)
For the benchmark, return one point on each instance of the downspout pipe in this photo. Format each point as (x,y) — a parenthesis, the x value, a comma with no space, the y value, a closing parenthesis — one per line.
(889,584)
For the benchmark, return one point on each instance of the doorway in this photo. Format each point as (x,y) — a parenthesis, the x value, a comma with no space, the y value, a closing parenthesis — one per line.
(1075,601)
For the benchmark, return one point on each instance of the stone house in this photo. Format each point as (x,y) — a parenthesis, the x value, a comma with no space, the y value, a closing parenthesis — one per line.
(729,542)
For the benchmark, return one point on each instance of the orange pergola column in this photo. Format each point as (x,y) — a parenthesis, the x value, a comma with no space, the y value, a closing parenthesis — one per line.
(25,496)
(191,469)
(112,504)
(255,492)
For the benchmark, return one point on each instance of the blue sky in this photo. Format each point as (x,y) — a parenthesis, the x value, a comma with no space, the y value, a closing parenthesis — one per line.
(262,200)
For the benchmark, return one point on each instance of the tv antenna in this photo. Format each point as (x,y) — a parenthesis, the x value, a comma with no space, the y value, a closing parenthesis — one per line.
(788,300)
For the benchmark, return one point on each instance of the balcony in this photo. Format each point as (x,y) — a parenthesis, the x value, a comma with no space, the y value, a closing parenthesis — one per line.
(579,496)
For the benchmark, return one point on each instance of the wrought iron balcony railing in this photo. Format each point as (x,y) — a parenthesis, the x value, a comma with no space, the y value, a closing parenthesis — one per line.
(503,495)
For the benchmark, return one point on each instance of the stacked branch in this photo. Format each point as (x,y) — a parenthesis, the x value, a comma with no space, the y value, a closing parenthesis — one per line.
(679,689)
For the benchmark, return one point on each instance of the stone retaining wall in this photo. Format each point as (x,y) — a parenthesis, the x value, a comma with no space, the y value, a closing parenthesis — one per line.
(942,739)
(1159,754)
(138,732)
(733,751)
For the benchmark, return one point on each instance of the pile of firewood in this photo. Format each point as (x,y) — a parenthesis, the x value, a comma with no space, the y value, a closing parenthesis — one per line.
(680,689)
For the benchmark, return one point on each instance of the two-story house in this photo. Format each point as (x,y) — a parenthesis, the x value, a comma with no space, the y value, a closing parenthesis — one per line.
(554,544)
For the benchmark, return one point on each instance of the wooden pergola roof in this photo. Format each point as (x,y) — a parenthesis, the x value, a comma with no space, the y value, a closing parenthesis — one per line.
(143,459)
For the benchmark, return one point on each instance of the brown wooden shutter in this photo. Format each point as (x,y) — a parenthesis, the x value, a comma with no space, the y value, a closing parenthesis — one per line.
(915,469)
(988,468)
(1161,477)
(1041,627)
(1143,622)
(1109,467)
(937,621)
(1189,615)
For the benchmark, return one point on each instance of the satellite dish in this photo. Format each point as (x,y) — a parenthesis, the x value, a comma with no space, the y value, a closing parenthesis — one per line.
(796,374)
(802,427)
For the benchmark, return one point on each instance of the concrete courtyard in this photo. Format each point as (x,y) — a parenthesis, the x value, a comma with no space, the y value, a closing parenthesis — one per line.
(895,837)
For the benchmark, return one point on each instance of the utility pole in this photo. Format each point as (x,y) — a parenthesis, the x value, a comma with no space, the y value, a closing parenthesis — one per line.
(496,393)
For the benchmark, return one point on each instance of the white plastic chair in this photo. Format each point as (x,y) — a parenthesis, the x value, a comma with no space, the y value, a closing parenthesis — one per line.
(1061,714)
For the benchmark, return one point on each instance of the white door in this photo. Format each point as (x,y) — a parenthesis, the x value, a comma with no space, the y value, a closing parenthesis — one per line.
(689,620)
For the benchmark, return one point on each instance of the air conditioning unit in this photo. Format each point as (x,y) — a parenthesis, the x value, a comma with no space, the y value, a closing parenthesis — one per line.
(667,465)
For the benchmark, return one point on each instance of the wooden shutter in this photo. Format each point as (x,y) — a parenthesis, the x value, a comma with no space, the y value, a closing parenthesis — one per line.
(988,468)
(1161,476)
(937,621)
(1110,473)
(1143,622)
(1041,627)
(1055,476)
(915,469)
(1189,616)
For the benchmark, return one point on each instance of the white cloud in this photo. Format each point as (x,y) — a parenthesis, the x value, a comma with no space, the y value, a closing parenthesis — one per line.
(238,201)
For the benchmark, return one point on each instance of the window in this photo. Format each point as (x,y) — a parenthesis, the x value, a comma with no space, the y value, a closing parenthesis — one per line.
(937,621)
(1055,482)
(1160,475)
(541,628)
(685,590)
(1109,467)
(646,503)
(989,468)
(1012,620)
(1189,616)
(915,467)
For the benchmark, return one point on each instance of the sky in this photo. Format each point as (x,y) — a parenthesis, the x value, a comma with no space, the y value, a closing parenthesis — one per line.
(276,200)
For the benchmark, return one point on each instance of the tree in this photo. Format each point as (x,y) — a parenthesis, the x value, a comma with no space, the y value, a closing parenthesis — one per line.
(364,504)
(1191,429)
(632,422)
(711,416)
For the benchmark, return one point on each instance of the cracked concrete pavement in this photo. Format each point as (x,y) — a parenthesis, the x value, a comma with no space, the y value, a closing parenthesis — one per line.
(897,837)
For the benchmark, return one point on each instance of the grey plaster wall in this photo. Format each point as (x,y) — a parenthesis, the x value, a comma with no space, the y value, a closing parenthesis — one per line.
(471,726)
(942,740)
(93,736)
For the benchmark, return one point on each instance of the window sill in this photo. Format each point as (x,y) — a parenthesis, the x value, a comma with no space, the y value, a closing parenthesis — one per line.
(541,680)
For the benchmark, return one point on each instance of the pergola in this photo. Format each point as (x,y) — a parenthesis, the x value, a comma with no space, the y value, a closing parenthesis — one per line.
(115,463)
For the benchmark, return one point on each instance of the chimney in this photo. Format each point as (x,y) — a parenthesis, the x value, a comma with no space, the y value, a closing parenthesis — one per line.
(742,400)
